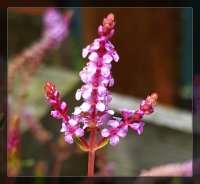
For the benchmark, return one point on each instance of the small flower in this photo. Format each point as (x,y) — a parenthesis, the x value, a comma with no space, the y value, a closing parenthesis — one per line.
(126,113)
(137,127)
(114,132)
(71,129)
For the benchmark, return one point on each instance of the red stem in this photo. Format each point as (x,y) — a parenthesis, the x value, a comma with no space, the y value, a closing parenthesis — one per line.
(91,155)
(84,142)
(101,141)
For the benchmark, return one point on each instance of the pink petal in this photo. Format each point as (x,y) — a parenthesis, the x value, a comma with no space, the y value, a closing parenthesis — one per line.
(107,58)
(95,45)
(69,139)
(100,106)
(87,93)
(113,123)
(138,127)
(64,128)
(72,122)
(114,140)
(105,132)
(93,56)
(115,56)
(91,68)
(122,133)
(63,106)
(101,90)
(83,76)
(109,47)
(79,132)
(85,106)
(56,114)
(85,51)
(105,71)
(111,82)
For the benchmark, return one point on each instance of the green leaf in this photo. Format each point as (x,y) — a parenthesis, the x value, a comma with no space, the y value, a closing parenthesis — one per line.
(27,163)
(102,145)
(80,144)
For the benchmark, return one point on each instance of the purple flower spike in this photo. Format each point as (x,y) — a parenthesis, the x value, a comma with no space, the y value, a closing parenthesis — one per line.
(94,113)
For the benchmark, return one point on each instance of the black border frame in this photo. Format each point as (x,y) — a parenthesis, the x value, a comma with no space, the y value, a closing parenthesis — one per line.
(195,4)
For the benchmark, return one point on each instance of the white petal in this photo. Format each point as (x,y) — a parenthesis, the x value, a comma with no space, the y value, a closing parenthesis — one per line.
(63,129)
(72,122)
(77,110)
(100,106)
(111,112)
(85,106)
(85,51)
(114,140)
(78,94)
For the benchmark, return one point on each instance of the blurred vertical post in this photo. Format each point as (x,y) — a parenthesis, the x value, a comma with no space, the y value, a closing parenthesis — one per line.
(186,54)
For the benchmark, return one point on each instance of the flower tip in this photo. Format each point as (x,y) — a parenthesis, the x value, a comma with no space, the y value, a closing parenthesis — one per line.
(111,16)
(49,89)
(154,95)
(153,99)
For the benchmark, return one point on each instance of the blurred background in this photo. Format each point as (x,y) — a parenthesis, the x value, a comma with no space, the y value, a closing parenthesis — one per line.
(155,49)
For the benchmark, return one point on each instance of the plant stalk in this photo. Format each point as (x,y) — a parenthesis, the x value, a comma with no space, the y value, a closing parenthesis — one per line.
(91,154)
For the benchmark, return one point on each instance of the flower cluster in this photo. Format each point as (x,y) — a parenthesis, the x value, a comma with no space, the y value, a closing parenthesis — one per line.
(97,77)
(131,119)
